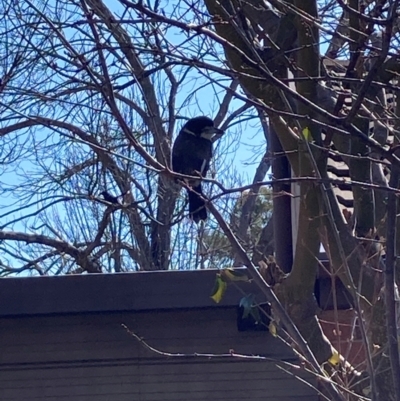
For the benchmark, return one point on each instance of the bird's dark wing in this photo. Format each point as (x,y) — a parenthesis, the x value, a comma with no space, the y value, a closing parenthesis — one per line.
(190,154)
(180,162)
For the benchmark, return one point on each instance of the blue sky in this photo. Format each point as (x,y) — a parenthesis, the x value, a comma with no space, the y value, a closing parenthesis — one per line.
(238,153)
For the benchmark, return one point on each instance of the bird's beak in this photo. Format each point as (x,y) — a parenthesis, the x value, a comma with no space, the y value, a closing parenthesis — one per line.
(213,130)
(209,132)
(218,131)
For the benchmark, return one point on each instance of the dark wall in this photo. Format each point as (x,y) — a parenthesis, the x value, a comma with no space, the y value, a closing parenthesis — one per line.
(61,339)
(89,356)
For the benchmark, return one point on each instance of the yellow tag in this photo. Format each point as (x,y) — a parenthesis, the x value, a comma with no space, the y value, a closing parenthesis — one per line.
(234,275)
(219,289)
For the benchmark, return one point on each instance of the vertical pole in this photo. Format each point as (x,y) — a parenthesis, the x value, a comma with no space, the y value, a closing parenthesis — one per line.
(282,205)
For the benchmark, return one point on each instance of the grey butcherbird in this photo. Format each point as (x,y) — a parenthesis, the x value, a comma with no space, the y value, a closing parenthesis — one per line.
(191,155)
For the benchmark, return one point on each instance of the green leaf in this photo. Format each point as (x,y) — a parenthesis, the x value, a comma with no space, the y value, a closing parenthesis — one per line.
(247,304)
(334,359)
(272,328)
(307,134)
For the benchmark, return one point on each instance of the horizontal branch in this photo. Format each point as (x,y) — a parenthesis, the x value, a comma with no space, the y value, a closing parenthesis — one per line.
(80,256)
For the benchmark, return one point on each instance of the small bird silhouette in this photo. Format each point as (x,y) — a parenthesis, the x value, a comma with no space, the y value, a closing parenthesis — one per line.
(115,200)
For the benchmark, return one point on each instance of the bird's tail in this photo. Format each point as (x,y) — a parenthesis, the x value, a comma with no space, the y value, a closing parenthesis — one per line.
(197,206)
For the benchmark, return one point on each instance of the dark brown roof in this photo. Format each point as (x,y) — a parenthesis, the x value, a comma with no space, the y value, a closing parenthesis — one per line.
(139,291)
